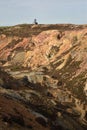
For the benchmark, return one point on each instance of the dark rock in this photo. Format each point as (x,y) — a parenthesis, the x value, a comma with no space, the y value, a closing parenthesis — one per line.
(49,94)
(59,83)
(41,121)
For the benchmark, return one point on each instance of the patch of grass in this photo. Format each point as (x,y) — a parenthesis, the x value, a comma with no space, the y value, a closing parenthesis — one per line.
(74,40)
(16,67)
(76,84)
(26,30)
(13,43)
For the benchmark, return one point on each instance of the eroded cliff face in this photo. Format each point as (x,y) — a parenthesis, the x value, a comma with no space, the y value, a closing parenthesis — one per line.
(49,64)
(50,46)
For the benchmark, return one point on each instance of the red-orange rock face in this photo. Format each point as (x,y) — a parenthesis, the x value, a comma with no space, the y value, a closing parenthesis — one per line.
(44,48)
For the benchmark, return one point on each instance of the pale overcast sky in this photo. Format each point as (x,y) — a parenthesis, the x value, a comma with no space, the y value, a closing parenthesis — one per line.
(14,12)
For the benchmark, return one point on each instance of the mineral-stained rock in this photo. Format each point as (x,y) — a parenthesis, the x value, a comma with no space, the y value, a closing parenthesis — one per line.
(43,80)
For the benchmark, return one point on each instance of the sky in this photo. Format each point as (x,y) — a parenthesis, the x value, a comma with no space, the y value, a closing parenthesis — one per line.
(14,12)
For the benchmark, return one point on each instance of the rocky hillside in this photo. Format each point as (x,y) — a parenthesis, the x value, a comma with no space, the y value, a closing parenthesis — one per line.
(45,74)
